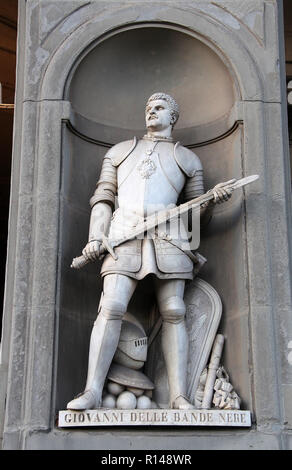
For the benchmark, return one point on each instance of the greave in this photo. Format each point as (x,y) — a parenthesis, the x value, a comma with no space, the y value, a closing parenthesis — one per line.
(175,350)
(103,344)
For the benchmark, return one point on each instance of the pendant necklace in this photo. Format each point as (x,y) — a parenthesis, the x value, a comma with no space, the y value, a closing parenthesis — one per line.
(147,167)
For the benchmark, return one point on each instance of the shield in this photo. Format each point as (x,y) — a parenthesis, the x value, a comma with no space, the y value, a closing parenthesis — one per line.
(203,314)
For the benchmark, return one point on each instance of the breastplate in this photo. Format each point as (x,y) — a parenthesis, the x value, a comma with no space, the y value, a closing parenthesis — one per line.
(149,179)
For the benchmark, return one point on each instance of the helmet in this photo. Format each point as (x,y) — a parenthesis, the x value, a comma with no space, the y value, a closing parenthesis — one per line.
(129,377)
(132,348)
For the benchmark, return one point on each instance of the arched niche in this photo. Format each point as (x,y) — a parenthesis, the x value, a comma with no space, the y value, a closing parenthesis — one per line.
(110,85)
(107,88)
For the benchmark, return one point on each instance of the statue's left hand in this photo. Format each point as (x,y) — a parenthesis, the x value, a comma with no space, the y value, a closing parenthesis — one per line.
(221,193)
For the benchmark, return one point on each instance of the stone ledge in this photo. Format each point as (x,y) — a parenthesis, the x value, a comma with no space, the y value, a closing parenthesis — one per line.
(108,417)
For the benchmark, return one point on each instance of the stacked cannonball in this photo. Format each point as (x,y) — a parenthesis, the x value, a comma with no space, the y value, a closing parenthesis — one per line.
(122,397)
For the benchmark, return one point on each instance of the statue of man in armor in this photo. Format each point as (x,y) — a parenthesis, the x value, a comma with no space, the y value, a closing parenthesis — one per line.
(145,176)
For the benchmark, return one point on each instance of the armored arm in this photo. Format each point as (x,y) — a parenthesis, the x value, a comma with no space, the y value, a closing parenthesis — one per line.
(191,165)
(194,187)
(102,204)
(103,200)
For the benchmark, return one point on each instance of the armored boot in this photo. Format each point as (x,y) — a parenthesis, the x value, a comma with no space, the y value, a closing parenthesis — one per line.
(104,339)
(175,350)
(103,343)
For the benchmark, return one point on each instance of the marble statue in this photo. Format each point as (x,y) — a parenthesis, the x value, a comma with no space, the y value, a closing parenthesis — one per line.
(145,176)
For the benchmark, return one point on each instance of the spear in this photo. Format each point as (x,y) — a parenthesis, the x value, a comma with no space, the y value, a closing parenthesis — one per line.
(161,217)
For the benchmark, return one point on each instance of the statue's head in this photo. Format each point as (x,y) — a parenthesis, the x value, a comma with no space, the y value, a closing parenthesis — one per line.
(161,111)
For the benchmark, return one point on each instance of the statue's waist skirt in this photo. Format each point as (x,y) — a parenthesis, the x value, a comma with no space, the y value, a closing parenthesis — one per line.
(137,258)
(155,253)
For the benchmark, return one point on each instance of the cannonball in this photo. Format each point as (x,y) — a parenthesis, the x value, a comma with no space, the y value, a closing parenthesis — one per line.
(153,405)
(143,402)
(109,401)
(137,391)
(126,401)
(114,388)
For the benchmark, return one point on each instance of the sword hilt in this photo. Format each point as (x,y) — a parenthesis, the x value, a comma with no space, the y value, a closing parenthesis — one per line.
(106,244)
(81,261)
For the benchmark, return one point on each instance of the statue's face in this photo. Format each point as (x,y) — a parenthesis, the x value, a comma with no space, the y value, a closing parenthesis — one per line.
(158,115)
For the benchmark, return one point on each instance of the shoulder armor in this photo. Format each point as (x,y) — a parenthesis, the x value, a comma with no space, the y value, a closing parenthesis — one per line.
(119,152)
(187,160)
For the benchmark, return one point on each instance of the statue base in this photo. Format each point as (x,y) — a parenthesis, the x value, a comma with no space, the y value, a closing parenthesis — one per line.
(154,417)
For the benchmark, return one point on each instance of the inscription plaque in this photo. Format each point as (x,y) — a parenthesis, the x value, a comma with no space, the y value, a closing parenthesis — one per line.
(106,417)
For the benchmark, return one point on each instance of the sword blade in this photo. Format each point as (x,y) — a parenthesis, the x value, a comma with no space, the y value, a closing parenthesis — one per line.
(244,181)
(163,216)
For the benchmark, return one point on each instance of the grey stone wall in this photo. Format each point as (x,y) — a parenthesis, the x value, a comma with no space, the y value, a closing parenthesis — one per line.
(57,155)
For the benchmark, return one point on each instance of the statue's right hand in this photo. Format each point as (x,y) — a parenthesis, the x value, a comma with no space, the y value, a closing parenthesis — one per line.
(93,250)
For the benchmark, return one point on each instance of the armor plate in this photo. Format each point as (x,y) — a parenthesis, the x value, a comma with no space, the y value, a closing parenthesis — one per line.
(150,177)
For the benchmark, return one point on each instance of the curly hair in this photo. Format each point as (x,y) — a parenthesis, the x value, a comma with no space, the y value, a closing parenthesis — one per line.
(174,108)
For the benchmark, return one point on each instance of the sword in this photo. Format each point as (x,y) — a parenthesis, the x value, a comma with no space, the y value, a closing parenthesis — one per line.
(161,217)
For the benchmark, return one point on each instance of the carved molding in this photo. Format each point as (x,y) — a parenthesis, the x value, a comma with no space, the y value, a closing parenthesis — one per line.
(197,136)
(46,11)
(66,58)
(249,14)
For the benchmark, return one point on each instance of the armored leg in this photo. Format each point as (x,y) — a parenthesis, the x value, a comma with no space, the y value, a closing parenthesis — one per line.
(174,339)
(118,290)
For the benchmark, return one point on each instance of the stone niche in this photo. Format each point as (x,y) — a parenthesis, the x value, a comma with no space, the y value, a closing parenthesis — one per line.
(108,88)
